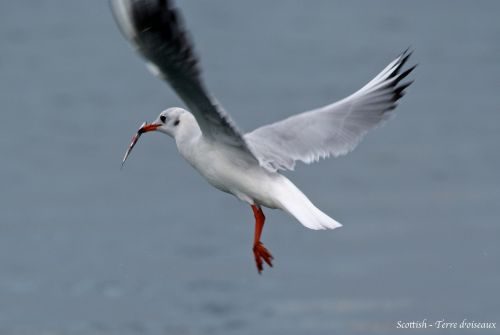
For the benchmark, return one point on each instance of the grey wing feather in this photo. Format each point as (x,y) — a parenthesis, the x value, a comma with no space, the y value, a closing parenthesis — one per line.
(156,29)
(332,130)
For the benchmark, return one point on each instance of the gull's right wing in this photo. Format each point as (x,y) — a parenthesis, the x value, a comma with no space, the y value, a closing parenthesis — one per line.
(156,30)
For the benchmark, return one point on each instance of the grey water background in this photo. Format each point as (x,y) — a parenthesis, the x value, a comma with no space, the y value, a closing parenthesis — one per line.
(88,249)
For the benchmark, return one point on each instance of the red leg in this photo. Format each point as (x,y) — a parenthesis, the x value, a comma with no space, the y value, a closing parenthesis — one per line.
(259,251)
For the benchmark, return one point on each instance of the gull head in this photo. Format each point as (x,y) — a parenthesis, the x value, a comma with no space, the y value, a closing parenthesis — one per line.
(171,122)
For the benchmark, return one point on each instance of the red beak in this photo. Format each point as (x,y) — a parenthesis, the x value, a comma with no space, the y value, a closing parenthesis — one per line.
(148,127)
(143,129)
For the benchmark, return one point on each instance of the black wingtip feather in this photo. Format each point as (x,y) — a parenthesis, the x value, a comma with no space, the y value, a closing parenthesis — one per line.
(404,74)
(399,89)
(162,33)
(403,58)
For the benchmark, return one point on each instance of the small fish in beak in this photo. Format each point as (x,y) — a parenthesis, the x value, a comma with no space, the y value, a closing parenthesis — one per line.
(145,127)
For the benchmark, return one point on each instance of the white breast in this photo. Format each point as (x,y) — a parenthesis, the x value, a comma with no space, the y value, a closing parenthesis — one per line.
(231,171)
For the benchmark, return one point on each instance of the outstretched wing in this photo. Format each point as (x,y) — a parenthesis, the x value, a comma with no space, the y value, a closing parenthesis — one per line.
(156,30)
(332,130)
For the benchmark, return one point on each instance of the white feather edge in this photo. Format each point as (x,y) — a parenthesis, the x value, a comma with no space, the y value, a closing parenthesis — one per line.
(121,11)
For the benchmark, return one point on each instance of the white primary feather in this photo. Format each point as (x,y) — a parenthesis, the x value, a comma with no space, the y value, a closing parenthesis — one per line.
(332,130)
(121,12)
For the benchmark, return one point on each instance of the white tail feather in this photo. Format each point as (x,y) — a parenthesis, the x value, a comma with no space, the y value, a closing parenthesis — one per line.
(294,202)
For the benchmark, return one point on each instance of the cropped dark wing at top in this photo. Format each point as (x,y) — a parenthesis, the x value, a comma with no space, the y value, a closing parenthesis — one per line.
(332,130)
(156,29)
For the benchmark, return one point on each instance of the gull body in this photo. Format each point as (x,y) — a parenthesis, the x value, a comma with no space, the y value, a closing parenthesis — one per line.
(248,165)
(227,169)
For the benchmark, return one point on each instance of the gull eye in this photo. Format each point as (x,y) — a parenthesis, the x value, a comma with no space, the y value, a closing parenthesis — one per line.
(163,118)
(176,123)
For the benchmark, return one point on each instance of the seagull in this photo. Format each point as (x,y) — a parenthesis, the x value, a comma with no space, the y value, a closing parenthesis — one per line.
(248,165)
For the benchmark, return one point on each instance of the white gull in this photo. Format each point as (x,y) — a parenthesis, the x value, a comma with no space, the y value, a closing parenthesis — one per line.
(248,165)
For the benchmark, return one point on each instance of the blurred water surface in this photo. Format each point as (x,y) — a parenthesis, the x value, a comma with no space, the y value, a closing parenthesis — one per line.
(88,249)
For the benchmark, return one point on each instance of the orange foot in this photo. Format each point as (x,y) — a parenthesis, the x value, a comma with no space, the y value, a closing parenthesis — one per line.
(261,253)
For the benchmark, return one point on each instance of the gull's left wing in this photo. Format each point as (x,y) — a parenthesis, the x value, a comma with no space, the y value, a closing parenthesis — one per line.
(333,130)
(156,30)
